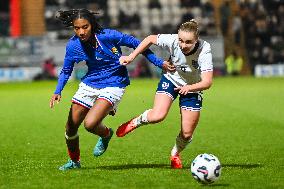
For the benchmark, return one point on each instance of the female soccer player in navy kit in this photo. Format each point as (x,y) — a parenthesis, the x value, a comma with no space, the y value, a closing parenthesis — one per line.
(194,72)
(103,86)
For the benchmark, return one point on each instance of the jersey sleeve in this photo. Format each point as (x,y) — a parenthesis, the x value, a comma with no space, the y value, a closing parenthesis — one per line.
(66,71)
(205,59)
(130,41)
(165,40)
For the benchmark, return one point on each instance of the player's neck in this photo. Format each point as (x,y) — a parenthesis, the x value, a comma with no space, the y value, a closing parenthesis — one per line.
(92,42)
(193,50)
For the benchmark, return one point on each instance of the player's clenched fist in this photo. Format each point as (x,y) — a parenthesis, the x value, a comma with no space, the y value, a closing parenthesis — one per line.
(125,60)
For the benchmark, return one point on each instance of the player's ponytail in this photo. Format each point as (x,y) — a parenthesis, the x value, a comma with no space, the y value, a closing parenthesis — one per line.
(67,18)
(190,26)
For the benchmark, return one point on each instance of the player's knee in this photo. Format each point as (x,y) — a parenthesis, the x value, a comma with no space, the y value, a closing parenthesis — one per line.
(90,125)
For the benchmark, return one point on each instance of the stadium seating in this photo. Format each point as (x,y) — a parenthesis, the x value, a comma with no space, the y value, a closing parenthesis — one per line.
(137,17)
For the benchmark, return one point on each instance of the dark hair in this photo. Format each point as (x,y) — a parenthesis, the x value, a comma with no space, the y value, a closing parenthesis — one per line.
(67,18)
(190,26)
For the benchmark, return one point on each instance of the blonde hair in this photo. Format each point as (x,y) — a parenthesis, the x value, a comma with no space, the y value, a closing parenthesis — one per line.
(190,26)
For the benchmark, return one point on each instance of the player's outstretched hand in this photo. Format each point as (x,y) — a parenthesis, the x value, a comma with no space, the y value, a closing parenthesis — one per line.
(54,98)
(169,66)
(125,60)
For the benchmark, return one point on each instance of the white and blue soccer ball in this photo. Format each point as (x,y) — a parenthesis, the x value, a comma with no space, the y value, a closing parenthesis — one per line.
(206,168)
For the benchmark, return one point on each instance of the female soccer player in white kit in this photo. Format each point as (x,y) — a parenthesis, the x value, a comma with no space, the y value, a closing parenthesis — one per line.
(192,59)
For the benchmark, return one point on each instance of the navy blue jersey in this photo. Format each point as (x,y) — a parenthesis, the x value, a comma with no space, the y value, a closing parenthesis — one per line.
(104,69)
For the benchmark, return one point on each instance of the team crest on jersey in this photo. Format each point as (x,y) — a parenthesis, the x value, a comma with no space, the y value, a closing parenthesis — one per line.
(195,64)
(114,50)
(165,85)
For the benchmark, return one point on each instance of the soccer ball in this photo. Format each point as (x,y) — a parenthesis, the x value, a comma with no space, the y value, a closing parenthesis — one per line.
(206,168)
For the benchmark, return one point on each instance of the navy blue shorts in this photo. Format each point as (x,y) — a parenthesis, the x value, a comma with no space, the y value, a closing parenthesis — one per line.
(190,101)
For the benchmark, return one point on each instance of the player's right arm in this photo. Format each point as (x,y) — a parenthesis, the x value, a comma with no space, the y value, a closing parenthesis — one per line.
(62,80)
(63,76)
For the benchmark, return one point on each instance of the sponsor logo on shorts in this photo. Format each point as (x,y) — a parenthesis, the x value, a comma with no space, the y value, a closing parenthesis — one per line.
(165,85)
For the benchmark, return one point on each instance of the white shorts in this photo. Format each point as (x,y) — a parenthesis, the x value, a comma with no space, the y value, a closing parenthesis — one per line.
(86,95)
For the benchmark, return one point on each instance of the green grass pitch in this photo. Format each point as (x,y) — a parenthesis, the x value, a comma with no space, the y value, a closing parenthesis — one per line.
(242,123)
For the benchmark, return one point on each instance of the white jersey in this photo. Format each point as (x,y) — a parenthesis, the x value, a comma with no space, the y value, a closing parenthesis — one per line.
(188,68)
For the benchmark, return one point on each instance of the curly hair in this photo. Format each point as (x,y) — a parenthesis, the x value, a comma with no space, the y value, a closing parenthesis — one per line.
(67,18)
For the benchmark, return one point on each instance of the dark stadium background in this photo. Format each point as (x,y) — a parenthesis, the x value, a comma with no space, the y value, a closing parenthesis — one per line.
(254,29)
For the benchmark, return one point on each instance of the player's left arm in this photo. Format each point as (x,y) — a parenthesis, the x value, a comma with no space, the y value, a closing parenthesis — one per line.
(205,83)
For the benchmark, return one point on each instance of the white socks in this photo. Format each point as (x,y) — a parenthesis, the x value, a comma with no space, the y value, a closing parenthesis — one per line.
(180,145)
(142,119)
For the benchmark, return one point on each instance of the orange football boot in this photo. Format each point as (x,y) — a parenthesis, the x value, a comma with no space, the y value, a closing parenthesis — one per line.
(126,127)
(176,162)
